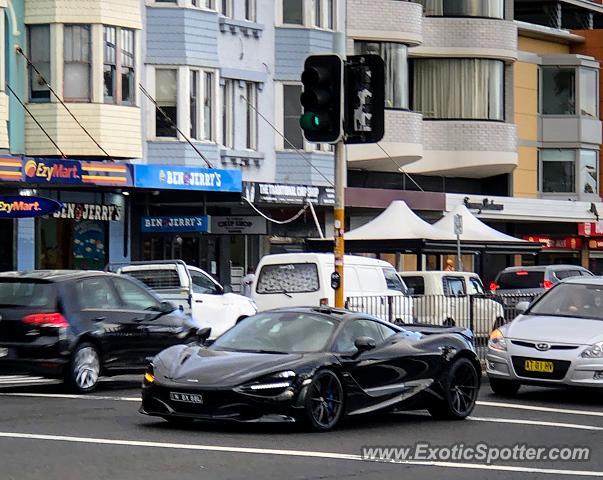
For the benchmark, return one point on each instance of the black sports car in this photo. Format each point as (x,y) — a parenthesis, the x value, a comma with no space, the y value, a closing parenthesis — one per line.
(315,365)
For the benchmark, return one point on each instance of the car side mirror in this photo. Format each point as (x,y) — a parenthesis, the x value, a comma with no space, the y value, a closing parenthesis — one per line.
(203,334)
(364,344)
(167,307)
(522,306)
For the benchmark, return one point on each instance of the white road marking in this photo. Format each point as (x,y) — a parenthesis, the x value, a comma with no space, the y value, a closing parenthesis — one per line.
(70,396)
(295,453)
(536,422)
(14,380)
(519,406)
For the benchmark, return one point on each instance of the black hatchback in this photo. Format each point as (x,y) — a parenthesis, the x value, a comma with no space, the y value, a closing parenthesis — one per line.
(79,325)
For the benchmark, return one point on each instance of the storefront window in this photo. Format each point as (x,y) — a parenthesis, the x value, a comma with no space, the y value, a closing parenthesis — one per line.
(396,70)
(459,88)
(558,91)
(464,8)
(589,175)
(558,171)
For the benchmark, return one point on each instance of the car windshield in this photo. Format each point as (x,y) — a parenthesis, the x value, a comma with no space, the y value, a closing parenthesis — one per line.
(571,300)
(279,332)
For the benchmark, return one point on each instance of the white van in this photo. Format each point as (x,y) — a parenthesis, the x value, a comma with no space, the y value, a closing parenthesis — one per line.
(304,279)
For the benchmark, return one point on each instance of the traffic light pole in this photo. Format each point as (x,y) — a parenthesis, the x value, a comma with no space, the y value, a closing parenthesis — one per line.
(339,217)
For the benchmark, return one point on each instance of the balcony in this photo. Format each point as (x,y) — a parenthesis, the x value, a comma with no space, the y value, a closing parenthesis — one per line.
(123,13)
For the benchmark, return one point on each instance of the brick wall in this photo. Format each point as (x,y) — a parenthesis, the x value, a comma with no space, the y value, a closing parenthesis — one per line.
(402,126)
(385,15)
(469,136)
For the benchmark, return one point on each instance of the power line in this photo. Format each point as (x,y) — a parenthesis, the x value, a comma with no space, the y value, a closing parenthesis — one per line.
(279,222)
(29,62)
(171,122)
(299,152)
(400,167)
(35,120)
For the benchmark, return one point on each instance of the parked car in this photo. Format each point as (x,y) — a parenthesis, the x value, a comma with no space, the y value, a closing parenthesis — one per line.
(304,280)
(515,284)
(442,297)
(314,365)
(558,340)
(81,325)
(194,291)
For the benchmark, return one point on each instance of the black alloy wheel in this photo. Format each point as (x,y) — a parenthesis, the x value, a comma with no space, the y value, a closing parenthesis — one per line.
(461,388)
(324,401)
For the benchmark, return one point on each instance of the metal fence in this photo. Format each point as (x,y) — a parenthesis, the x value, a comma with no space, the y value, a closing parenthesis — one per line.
(480,313)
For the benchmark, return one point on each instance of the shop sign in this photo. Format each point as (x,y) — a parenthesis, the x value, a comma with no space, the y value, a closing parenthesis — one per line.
(175,224)
(17,206)
(590,228)
(595,244)
(556,243)
(89,211)
(238,225)
(187,178)
(10,169)
(286,194)
(75,172)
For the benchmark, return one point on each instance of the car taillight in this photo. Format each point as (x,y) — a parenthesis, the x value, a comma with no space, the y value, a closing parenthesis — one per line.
(521,273)
(493,287)
(46,320)
(547,284)
(324,301)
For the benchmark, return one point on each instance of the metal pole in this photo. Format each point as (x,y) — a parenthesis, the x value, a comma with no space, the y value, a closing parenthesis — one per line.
(339,217)
(459,259)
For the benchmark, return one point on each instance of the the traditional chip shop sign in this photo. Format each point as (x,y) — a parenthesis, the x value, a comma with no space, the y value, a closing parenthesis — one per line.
(89,211)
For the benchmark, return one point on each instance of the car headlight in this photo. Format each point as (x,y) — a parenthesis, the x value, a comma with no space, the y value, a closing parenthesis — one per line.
(497,341)
(594,351)
(272,383)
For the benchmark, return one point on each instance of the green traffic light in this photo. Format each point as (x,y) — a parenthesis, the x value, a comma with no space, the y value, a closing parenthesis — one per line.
(309,121)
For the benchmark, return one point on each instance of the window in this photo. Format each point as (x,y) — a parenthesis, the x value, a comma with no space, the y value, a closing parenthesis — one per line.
(134,297)
(225,7)
(208,109)
(459,88)
(291,112)
(228,113)
(156,279)
(110,66)
(17,292)
(393,281)
(293,12)
(475,286)
(589,86)
(96,294)
(558,91)
(454,286)
(324,15)
(589,172)
(416,284)
(166,95)
(290,278)
(210,4)
(194,104)
(76,67)
(519,279)
(396,70)
(251,10)
(464,8)
(203,284)
(360,328)
(201,104)
(126,45)
(558,171)
(318,13)
(119,57)
(39,52)
(252,116)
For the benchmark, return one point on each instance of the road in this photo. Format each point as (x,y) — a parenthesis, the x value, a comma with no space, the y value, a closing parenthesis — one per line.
(48,434)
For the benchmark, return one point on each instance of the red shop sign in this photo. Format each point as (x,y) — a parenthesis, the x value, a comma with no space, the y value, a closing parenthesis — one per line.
(556,243)
(595,243)
(590,228)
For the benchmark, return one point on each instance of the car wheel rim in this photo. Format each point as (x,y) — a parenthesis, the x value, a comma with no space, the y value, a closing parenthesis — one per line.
(464,389)
(86,368)
(326,400)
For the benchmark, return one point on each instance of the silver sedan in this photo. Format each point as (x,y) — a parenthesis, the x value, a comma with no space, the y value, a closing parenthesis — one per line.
(558,340)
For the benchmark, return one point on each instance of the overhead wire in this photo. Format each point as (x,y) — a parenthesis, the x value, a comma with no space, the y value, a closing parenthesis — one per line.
(278,222)
(400,168)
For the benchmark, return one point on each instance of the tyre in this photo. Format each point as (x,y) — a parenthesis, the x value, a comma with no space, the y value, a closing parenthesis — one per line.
(83,371)
(461,387)
(324,401)
(504,387)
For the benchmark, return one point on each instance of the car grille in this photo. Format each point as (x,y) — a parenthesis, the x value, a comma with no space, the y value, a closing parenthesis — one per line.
(560,368)
(552,347)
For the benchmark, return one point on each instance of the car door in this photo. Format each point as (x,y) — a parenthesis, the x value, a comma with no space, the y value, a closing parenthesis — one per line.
(102,313)
(208,305)
(157,329)
(456,301)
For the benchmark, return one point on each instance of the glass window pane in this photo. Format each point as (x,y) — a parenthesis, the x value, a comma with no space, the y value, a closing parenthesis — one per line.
(134,297)
(76,74)
(96,294)
(459,88)
(558,91)
(293,12)
(194,103)
(589,171)
(464,8)
(292,110)
(330,14)
(396,70)
(558,171)
(588,92)
(39,51)
(208,107)
(317,13)
(166,91)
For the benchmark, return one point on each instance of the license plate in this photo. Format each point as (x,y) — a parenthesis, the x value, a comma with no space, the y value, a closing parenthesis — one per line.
(3,352)
(187,397)
(538,366)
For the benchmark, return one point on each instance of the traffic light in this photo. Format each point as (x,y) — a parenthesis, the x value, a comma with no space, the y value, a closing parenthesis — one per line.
(321,98)
(364,99)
